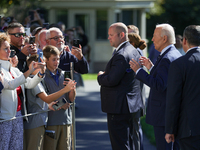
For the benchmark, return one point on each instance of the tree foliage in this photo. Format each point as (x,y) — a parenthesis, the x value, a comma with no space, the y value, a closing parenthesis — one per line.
(178,13)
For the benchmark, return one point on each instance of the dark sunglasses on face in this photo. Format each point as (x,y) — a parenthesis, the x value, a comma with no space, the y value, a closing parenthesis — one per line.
(18,34)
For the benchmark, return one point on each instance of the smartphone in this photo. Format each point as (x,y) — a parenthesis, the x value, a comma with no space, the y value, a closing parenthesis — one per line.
(67,74)
(59,103)
(40,56)
(50,133)
(76,42)
(46,25)
(32,40)
(12,53)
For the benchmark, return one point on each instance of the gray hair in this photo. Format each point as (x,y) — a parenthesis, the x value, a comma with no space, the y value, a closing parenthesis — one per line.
(167,30)
(48,34)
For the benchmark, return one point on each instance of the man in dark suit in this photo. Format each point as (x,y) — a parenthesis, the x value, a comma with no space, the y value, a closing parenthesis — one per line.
(163,39)
(121,96)
(183,94)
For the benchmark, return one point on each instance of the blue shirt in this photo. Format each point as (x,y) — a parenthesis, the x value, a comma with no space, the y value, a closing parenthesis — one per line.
(55,76)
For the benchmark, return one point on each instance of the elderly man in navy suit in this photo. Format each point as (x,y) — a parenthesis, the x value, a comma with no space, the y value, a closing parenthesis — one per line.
(121,95)
(183,95)
(163,39)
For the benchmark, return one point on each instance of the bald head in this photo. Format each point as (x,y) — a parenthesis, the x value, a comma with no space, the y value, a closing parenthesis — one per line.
(120,27)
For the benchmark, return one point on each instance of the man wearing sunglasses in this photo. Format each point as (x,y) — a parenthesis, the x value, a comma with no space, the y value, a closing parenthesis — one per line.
(17,37)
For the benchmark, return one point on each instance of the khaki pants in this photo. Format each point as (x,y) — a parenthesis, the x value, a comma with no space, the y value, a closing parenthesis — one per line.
(62,139)
(34,138)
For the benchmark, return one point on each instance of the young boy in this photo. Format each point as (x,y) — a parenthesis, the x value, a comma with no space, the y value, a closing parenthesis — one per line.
(37,100)
(58,121)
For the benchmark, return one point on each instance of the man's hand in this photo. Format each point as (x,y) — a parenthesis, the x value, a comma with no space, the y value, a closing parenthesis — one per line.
(134,65)
(146,62)
(32,49)
(25,50)
(14,61)
(100,73)
(77,52)
(169,138)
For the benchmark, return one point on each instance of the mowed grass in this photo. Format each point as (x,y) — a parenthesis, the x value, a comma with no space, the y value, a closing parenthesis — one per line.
(89,76)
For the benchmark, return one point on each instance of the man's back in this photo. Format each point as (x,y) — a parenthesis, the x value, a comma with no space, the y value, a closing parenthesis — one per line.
(186,69)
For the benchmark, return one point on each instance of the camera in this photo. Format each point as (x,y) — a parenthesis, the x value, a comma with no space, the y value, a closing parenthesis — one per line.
(76,42)
(32,40)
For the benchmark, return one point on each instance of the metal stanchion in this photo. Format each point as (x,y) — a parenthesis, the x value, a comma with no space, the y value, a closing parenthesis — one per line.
(73,130)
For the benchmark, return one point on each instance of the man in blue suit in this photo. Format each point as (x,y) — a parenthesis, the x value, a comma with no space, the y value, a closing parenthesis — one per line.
(121,95)
(163,39)
(183,94)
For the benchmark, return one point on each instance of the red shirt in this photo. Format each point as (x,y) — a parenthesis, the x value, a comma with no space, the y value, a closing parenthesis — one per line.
(19,91)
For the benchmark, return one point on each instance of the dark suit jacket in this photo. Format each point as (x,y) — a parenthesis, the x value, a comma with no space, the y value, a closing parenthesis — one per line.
(120,91)
(80,66)
(157,81)
(183,96)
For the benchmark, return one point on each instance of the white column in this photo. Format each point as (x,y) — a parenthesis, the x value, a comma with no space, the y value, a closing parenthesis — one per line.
(52,16)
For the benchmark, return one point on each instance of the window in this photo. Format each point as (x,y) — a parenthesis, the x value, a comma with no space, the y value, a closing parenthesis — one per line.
(101,23)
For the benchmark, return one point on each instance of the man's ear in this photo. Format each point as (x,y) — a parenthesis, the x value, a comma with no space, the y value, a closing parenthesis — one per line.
(165,38)
(122,34)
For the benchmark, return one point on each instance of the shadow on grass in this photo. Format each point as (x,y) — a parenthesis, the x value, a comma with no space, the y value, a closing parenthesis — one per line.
(148,130)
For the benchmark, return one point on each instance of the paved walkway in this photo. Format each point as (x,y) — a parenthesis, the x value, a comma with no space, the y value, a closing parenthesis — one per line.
(91,124)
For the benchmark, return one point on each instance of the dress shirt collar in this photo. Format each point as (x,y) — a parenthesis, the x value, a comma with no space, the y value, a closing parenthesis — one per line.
(166,49)
(120,45)
(192,48)
(55,76)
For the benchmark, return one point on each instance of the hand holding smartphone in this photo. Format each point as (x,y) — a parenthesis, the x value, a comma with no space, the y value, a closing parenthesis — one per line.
(59,104)
(40,56)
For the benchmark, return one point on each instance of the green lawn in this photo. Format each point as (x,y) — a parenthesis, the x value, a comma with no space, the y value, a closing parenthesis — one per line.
(89,76)
(147,129)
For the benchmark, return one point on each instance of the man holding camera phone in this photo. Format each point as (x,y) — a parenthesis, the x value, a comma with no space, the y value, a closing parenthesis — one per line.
(17,37)
(55,37)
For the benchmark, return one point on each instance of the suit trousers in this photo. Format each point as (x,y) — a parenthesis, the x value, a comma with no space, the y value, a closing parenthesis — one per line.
(62,139)
(161,143)
(190,143)
(124,131)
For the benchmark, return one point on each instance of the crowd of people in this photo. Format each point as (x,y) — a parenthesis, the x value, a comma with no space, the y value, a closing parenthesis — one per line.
(33,81)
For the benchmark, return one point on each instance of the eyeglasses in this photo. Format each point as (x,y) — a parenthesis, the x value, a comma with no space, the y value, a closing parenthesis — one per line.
(18,34)
(56,38)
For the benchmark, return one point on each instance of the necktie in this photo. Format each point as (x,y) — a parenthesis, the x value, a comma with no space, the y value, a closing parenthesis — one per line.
(114,52)
(158,58)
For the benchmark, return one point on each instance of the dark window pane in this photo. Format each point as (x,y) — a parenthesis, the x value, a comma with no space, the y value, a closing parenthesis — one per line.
(102,31)
(127,16)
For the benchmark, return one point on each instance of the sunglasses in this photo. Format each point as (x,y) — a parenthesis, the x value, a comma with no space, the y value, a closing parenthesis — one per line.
(18,34)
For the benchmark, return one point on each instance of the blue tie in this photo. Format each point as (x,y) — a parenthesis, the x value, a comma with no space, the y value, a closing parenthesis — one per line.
(114,52)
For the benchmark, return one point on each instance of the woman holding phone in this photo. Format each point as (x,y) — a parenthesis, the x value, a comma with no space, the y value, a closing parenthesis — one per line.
(13,97)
